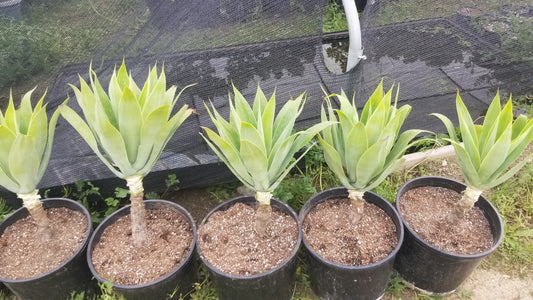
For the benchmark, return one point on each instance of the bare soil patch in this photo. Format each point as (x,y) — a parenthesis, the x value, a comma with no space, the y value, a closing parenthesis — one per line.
(229,242)
(115,258)
(329,233)
(23,255)
(425,210)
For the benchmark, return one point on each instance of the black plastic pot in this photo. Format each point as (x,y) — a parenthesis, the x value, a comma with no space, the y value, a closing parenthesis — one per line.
(71,276)
(430,269)
(331,280)
(277,283)
(182,277)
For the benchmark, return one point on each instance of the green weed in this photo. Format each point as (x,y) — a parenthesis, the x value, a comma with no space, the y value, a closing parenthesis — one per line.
(5,210)
(335,18)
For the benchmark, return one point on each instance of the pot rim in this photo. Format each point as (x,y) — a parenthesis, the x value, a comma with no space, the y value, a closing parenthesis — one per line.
(182,210)
(254,276)
(79,250)
(495,243)
(390,256)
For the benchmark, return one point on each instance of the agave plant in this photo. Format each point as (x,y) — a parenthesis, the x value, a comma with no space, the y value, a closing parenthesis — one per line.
(363,150)
(258,146)
(487,150)
(128,129)
(25,146)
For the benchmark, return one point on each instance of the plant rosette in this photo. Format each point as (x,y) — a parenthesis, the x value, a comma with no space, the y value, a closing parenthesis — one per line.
(41,243)
(71,229)
(353,237)
(258,146)
(428,268)
(366,251)
(128,127)
(243,264)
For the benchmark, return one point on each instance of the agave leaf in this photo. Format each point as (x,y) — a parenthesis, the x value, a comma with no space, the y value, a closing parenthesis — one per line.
(229,154)
(334,162)
(113,144)
(250,133)
(7,181)
(123,79)
(150,132)
(279,178)
(48,151)
(488,133)
(286,118)
(346,125)
(260,102)
(507,175)
(372,103)
(225,129)
(387,169)
(37,127)
(85,132)
(178,119)
(375,122)
(356,144)
(520,123)
(448,124)
(242,108)
(278,156)
(130,123)
(267,120)
(371,162)
(24,113)
(11,116)
(467,168)
(468,133)
(7,138)
(24,163)
(402,144)
(254,158)
(518,145)
(496,155)
(103,99)
(348,108)
(506,117)
(153,98)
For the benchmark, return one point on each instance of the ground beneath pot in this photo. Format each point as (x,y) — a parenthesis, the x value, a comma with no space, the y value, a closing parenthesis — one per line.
(23,255)
(230,243)
(116,259)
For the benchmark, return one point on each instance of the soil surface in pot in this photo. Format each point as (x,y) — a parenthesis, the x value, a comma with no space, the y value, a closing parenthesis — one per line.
(425,210)
(23,255)
(329,233)
(228,240)
(115,258)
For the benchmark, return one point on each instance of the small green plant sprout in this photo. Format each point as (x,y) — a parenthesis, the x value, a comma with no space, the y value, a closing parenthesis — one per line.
(487,150)
(363,150)
(26,140)
(258,146)
(128,129)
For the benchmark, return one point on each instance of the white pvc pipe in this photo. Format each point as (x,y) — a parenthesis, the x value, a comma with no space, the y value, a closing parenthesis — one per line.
(355,52)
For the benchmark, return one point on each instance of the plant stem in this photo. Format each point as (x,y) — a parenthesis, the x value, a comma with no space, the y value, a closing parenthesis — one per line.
(262,217)
(357,203)
(469,198)
(139,229)
(35,208)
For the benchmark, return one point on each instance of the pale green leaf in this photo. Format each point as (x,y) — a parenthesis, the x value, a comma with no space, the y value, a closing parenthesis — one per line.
(130,123)
(255,159)
(24,163)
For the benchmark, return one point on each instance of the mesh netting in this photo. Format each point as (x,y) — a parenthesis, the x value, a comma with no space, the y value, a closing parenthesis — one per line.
(431,48)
